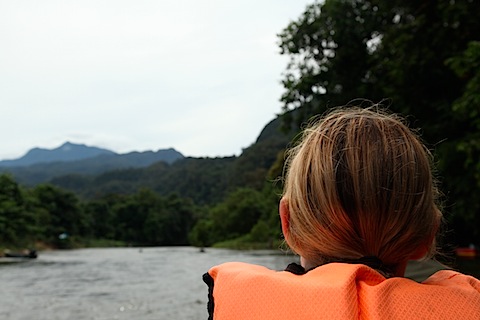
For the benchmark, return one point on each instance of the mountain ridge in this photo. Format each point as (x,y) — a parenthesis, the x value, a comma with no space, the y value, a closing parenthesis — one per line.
(40,165)
(73,152)
(66,152)
(170,168)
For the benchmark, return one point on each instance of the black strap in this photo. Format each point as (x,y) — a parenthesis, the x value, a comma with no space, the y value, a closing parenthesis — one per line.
(296,269)
(207,278)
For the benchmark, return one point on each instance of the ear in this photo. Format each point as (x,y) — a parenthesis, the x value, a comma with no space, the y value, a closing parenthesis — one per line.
(284,217)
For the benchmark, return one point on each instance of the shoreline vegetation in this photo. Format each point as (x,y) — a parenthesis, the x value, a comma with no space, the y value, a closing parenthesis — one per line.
(241,243)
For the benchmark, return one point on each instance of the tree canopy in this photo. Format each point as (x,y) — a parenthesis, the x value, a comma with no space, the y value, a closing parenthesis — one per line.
(422,56)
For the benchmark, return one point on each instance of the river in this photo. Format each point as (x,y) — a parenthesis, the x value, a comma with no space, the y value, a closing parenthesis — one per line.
(123,283)
(116,283)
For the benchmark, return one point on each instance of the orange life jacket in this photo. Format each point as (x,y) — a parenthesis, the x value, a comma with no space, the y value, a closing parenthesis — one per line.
(339,291)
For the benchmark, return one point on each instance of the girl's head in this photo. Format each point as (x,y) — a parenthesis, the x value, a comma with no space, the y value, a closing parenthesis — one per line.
(360,184)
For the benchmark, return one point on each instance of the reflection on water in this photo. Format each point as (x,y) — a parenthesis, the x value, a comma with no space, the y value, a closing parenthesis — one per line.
(125,283)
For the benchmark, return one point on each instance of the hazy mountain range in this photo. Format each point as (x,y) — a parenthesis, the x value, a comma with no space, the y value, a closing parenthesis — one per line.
(91,171)
(69,158)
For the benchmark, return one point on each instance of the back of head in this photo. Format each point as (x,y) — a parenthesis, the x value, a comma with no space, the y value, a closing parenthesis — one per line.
(360,184)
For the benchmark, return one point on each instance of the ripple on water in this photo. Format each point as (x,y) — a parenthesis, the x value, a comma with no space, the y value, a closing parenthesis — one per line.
(116,283)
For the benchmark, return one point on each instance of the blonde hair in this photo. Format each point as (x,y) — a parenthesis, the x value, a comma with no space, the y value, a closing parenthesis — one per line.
(360,184)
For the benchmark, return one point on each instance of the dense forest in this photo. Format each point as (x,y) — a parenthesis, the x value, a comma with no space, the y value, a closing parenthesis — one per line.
(421,58)
(157,205)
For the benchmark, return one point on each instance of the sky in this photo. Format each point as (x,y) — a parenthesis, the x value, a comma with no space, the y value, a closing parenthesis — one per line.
(200,76)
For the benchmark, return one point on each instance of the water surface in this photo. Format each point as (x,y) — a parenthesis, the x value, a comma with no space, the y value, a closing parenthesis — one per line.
(117,283)
(126,283)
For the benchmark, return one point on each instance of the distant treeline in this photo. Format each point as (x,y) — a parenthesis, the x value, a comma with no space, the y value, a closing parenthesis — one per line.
(58,218)
(55,217)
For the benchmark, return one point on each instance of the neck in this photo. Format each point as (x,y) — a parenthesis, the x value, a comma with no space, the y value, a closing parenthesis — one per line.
(400,269)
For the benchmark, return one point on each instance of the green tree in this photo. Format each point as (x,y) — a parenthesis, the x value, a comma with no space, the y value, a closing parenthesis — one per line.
(170,223)
(330,49)
(131,214)
(102,218)
(16,222)
(465,150)
(145,218)
(422,55)
(66,215)
(232,218)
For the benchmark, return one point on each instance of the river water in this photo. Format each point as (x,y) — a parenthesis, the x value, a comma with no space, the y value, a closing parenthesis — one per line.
(117,283)
(125,283)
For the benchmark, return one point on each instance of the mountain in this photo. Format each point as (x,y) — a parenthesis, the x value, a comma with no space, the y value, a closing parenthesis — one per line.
(203,180)
(166,171)
(41,165)
(66,152)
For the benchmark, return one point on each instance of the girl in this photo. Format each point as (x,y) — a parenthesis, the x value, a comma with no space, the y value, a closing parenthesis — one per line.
(359,202)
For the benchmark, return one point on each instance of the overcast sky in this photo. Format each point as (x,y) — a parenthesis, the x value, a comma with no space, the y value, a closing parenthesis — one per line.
(201,76)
